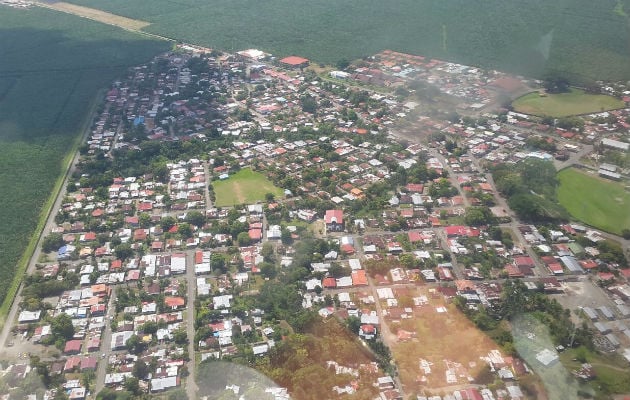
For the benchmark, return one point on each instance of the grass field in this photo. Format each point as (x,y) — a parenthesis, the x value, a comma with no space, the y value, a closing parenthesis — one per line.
(598,202)
(560,105)
(611,370)
(244,187)
(52,67)
(530,38)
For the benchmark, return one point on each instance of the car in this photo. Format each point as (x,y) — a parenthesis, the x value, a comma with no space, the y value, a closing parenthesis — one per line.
(10,344)
(103,355)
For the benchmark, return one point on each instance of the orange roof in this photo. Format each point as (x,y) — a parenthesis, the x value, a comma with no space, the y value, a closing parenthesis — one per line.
(294,60)
(359,278)
(174,301)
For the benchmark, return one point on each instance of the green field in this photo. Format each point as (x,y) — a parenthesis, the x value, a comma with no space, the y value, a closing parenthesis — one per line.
(244,187)
(558,105)
(595,201)
(530,37)
(52,67)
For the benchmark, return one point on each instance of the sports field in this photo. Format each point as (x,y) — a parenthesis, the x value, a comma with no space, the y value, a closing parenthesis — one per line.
(596,201)
(244,187)
(560,105)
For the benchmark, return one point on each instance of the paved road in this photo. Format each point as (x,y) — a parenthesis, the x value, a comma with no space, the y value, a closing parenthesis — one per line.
(50,223)
(106,340)
(191,285)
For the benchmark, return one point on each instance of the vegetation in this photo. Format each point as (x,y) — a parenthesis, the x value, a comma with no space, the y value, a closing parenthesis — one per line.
(573,102)
(611,374)
(530,187)
(54,64)
(244,187)
(604,205)
(532,39)
(299,361)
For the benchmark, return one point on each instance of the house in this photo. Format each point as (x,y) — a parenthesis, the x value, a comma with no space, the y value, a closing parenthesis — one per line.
(162,384)
(359,278)
(29,316)
(88,363)
(334,221)
(367,331)
(73,347)
(174,302)
(294,62)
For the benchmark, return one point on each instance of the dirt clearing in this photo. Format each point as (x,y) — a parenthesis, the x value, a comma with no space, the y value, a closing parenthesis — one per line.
(98,15)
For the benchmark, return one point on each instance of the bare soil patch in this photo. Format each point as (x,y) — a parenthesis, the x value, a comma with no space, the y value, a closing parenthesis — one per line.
(98,15)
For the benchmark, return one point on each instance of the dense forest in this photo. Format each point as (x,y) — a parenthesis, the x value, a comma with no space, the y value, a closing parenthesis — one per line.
(582,39)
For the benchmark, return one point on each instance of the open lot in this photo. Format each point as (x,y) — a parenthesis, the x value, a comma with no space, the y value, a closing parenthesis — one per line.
(52,67)
(100,16)
(560,105)
(244,187)
(528,38)
(595,201)
(443,338)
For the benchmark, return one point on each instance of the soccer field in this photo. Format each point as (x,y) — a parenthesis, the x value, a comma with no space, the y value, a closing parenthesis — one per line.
(244,187)
(560,105)
(598,202)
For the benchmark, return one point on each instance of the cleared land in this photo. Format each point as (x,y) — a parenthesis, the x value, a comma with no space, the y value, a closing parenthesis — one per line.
(52,67)
(560,105)
(529,38)
(244,187)
(98,15)
(598,202)
(445,339)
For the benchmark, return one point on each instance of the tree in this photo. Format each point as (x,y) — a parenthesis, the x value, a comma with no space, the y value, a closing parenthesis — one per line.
(309,104)
(52,242)
(62,326)
(135,345)
(625,233)
(123,251)
(268,270)
(285,236)
(217,262)
(185,230)
(354,324)
(144,220)
(477,216)
(180,336)
(342,64)
(269,197)
(408,260)
(132,385)
(196,218)
(267,252)
(243,239)
(140,369)
(167,222)
(556,84)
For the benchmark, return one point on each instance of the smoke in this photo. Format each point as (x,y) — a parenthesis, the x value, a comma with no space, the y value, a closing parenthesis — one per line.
(544,44)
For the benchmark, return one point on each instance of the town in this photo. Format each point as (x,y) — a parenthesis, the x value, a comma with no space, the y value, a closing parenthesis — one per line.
(350,232)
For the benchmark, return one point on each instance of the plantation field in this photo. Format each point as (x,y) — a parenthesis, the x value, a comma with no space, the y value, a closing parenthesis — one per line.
(559,105)
(598,202)
(244,187)
(52,67)
(529,38)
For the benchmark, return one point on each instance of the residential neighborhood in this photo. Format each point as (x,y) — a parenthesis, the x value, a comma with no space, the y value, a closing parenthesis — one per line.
(375,211)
